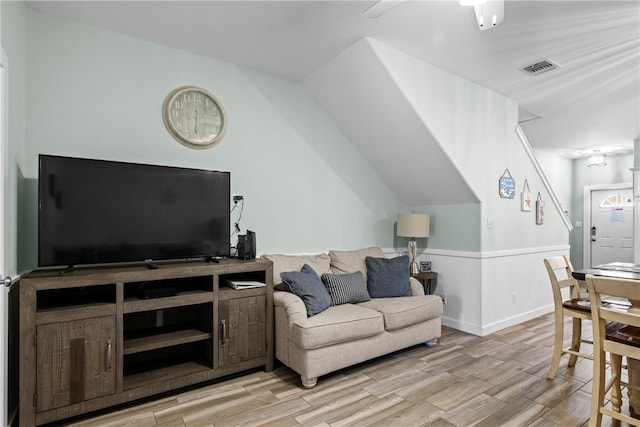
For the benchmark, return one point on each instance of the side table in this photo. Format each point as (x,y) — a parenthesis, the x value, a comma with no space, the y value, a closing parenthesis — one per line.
(429,280)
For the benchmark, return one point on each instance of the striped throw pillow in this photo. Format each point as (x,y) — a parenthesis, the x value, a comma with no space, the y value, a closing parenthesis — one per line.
(346,288)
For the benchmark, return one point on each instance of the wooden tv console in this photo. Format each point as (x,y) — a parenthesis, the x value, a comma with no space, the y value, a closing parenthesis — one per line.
(88,341)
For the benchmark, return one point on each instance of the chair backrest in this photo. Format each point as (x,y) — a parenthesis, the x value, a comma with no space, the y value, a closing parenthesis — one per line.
(627,289)
(561,264)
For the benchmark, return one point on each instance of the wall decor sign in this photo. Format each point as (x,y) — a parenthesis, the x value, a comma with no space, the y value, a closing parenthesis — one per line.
(539,210)
(507,185)
(525,198)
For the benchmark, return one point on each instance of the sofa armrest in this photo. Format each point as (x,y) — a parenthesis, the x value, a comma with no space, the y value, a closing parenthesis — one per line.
(288,310)
(291,304)
(416,287)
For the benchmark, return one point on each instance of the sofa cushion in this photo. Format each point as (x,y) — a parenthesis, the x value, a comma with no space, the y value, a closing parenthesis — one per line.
(399,313)
(388,277)
(346,288)
(351,261)
(307,285)
(282,263)
(340,323)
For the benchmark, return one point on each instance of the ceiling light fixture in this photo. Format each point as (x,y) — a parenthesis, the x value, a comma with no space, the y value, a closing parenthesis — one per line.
(597,159)
(486,11)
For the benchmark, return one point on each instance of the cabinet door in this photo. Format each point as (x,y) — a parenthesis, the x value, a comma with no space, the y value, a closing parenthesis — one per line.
(242,329)
(75,361)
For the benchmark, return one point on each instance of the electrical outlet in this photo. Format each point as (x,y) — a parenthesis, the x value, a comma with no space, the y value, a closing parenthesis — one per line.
(513,298)
(236,199)
(443,297)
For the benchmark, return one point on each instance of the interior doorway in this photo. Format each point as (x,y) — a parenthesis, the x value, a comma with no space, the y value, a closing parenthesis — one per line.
(608,224)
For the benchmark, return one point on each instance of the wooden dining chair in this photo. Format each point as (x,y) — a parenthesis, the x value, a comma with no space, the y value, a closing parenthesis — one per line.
(616,331)
(579,309)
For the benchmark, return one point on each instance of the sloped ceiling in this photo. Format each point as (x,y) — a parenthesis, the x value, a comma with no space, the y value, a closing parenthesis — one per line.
(359,94)
(591,101)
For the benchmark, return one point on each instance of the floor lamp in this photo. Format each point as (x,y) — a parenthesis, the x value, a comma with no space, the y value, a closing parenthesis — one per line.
(412,226)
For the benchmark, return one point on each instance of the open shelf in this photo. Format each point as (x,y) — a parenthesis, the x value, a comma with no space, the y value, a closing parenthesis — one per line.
(258,276)
(162,374)
(163,337)
(162,364)
(82,296)
(132,305)
(188,290)
(75,312)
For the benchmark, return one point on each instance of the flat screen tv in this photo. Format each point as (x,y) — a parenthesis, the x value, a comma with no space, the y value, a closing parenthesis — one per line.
(97,212)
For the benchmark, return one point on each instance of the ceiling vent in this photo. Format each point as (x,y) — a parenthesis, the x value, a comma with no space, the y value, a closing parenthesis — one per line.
(540,67)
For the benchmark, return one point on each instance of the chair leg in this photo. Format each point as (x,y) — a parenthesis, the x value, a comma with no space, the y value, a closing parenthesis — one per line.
(616,392)
(576,336)
(557,345)
(597,389)
(633,366)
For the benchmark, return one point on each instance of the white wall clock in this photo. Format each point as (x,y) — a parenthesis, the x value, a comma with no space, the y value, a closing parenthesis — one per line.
(194,117)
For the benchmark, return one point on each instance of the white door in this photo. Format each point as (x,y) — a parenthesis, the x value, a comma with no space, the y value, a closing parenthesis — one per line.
(611,226)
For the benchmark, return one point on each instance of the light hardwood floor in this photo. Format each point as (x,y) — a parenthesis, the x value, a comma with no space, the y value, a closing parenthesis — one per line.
(465,380)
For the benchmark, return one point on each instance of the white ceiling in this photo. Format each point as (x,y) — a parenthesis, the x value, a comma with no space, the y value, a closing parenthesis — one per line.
(592,101)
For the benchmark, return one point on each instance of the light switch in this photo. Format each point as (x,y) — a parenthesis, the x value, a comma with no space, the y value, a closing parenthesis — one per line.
(489,222)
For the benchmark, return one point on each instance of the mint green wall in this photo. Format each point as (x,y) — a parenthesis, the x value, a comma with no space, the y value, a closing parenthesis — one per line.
(452,227)
(558,171)
(13,17)
(617,171)
(476,128)
(92,93)
(98,94)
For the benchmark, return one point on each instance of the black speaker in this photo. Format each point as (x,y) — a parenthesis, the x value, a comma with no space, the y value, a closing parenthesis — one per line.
(247,245)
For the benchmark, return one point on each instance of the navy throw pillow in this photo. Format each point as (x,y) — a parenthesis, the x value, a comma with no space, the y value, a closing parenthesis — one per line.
(388,277)
(307,285)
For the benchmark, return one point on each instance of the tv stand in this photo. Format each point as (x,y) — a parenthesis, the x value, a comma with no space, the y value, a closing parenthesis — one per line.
(87,341)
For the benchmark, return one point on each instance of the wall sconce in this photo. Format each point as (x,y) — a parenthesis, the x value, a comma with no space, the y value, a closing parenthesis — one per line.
(597,159)
(413,225)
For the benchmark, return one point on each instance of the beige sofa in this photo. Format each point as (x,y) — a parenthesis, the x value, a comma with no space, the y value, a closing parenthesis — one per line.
(346,334)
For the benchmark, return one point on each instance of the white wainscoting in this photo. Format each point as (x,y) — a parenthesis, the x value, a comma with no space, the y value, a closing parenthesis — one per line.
(489,291)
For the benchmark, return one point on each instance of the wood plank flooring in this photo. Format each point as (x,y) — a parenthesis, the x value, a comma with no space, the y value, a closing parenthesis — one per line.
(465,380)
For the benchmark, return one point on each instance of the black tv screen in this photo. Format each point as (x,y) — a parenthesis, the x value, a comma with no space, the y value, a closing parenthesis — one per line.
(97,211)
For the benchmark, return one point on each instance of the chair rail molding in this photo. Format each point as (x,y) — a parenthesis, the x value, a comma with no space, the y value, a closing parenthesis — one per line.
(479,287)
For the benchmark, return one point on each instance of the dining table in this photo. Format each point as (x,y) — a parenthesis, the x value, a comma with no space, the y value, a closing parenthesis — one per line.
(620,270)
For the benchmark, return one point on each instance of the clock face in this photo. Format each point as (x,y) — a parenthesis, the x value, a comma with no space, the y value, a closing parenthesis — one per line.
(194,117)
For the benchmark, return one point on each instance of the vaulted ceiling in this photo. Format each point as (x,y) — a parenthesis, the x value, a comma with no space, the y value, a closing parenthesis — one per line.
(592,101)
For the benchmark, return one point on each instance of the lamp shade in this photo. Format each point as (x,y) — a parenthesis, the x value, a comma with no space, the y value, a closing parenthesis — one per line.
(413,225)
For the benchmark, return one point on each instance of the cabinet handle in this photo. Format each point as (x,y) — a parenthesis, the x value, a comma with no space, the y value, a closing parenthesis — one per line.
(224,332)
(109,355)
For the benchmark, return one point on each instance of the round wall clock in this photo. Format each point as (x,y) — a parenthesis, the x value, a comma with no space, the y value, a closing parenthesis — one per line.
(194,117)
